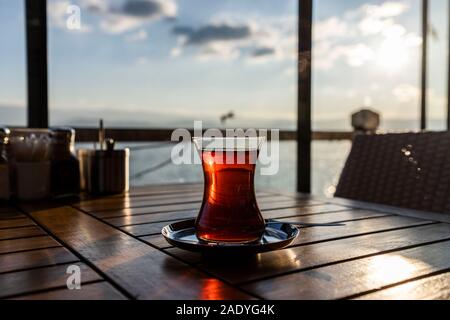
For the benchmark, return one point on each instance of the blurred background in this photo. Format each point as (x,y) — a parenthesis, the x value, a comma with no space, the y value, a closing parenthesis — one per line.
(229,63)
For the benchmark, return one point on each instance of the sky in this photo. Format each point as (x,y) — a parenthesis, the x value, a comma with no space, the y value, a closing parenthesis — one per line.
(167,63)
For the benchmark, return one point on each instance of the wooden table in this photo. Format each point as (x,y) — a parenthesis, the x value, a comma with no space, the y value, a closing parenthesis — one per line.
(380,253)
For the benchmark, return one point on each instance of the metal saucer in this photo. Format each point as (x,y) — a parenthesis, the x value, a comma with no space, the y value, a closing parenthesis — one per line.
(182,235)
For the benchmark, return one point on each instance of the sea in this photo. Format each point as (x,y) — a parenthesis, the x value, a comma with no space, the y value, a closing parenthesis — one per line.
(149,165)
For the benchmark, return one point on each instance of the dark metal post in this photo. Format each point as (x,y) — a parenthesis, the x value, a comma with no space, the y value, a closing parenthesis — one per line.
(36,29)
(423,108)
(304,128)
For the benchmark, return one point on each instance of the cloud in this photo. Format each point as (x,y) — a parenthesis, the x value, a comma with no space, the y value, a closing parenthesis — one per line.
(370,25)
(387,9)
(142,60)
(126,15)
(213,33)
(230,36)
(367,34)
(375,18)
(140,35)
(355,55)
(330,28)
(216,40)
(142,8)
(182,30)
(218,50)
(175,52)
(409,94)
(290,71)
(406,93)
(57,13)
(261,52)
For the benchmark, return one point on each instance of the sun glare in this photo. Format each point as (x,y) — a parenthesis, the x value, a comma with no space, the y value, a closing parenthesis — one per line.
(393,54)
(391,268)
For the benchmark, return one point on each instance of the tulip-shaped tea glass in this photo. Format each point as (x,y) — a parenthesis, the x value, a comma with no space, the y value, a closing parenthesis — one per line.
(229,211)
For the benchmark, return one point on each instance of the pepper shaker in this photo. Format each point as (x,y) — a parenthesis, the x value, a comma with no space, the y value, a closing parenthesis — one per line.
(65,169)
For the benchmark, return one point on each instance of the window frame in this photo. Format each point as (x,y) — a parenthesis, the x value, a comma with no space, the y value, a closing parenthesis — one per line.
(37,88)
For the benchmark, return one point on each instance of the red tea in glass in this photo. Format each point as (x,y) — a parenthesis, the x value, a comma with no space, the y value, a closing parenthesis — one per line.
(229,211)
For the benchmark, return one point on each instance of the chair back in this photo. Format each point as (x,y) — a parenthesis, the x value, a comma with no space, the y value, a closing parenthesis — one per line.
(408,170)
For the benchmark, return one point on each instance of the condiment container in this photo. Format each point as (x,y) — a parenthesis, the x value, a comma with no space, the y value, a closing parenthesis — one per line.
(31,163)
(65,168)
(104,171)
(33,180)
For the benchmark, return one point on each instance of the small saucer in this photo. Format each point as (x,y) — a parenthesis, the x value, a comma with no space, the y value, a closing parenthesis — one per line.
(182,235)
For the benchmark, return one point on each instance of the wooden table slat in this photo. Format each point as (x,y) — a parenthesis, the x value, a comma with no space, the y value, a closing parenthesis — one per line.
(11,215)
(157,240)
(177,187)
(430,288)
(92,203)
(325,217)
(15,233)
(357,228)
(138,203)
(42,242)
(149,191)
(5,208)
(147,210)
(92,291)
(153,217)
(347,279)
(147,229)
(114,204)
(303,205)
(28,281)
(36,258)
(15,223)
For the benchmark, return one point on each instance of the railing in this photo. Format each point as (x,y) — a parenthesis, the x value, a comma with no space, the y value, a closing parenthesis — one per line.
(160,135)
(164,136)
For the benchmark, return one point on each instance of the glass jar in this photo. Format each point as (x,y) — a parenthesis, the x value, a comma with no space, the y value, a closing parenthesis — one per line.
(65,168)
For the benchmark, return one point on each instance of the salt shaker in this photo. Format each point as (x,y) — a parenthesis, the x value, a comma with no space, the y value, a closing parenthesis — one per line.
(5,172)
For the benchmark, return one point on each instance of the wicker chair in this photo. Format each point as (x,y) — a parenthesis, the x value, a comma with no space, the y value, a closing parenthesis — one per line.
(410,170)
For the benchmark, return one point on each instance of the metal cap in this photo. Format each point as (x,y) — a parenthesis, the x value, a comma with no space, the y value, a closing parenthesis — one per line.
(4,135)
(63,134)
